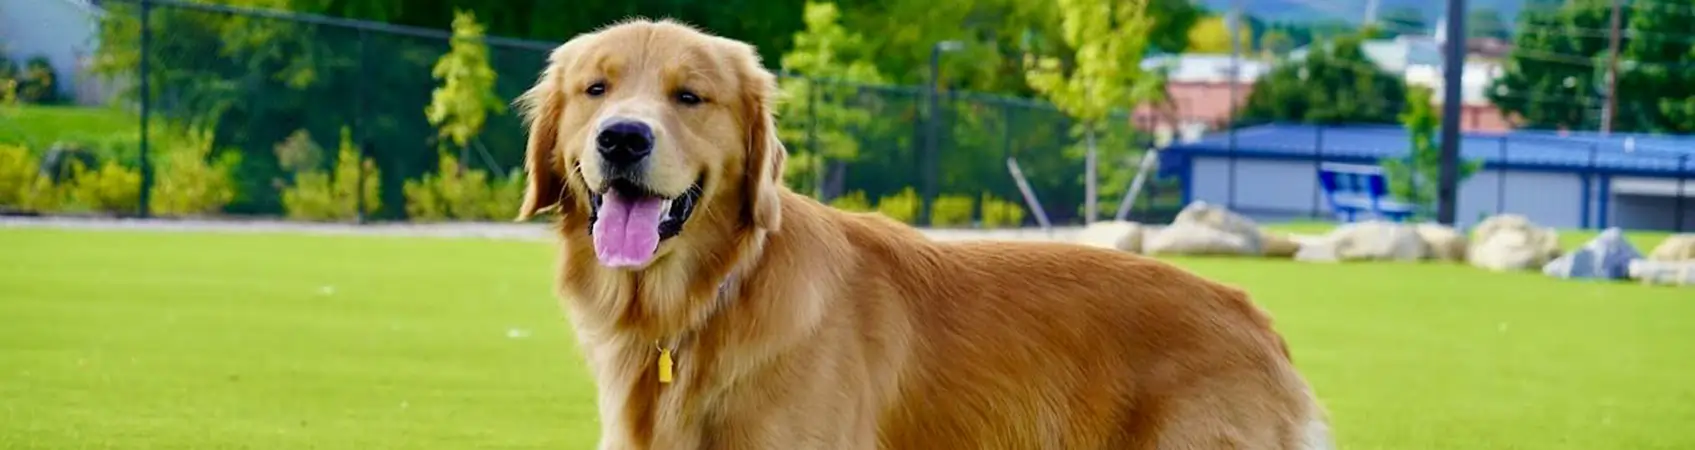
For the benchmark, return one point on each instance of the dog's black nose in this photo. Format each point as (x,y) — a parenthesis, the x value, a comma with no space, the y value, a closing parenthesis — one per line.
(625,143)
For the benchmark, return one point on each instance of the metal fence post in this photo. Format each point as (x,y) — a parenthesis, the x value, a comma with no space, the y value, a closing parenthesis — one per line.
(359,130)
(1501,180)
(1317,164)
(146,92)
(1682,178)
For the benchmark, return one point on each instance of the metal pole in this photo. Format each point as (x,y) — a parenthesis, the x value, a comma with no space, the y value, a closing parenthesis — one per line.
(146,92)
(928,163)
(1029,194)
(1682,177)
(1453,69)
(1501,180)
(1608,109)
(1317,163)
(1235,72)
(359,129)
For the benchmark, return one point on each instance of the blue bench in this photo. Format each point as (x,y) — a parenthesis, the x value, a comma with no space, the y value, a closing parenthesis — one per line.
(1360,192)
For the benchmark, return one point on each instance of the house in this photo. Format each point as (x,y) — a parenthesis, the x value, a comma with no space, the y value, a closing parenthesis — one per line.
(66,32)
(1198,87)
(1418,61)
(1565,180)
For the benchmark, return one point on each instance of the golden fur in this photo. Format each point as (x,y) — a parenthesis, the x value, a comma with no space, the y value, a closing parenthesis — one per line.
(799,326)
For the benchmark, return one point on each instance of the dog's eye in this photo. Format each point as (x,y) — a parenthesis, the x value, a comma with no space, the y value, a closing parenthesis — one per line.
(596,89)
(689,98)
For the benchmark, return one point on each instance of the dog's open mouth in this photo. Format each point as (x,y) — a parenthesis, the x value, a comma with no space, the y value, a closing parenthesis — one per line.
(628,221)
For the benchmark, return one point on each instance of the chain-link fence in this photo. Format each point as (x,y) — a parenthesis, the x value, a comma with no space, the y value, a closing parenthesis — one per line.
(258,113)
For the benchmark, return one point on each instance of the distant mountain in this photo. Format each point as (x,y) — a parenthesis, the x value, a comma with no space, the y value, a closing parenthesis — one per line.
(1353,11)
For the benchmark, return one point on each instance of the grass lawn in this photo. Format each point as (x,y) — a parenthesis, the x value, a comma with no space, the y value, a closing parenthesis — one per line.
(141,340)
(38,127)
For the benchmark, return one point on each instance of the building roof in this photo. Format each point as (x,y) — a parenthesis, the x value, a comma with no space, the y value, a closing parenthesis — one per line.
(1620,153)
(1206,68)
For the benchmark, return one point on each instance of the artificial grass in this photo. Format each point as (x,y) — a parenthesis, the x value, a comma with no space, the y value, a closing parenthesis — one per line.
(141,340)
(39,127)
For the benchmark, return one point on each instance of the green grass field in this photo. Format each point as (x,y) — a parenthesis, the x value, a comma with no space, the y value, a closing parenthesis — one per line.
(147,340)
(38,127)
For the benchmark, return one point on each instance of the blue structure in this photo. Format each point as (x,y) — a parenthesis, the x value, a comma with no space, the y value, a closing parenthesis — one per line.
(1358,192)
(1565,180)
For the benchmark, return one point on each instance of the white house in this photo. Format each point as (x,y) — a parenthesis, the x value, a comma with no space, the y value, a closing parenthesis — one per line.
(66,32)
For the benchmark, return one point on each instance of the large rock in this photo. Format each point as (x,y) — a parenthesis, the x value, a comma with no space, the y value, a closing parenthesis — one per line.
(1608,256)
(1442,242)
(1197,240)
(1113,234)
(1366,241)
(1677,247)
(1510,242)
(1278,245)
(1675,273)
(1216,217)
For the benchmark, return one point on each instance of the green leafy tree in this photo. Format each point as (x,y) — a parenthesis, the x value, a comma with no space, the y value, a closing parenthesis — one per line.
(1554,74)
(461,105)
(822,117)
(1658,89)
(1276,43)
(1335,83)
(1109,38)
(1486,23)
(1212,35)
(1415,177)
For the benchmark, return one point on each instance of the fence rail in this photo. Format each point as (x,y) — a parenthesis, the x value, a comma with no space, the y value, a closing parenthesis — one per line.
(267,113)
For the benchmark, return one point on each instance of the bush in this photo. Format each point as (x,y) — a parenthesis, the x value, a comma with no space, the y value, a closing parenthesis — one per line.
(18,172)
(113,188)
(37,83)
(853,201)
(999,213)
(951,211)
(317,196)
(187,182)
(461,193)
(902,206)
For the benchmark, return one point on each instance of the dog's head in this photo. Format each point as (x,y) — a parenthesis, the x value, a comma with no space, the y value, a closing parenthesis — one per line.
(648,130)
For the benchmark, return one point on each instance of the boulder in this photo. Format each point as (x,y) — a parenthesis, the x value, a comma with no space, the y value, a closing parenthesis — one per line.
(1366,241)
(1510,242)
(1278,245)
(1441,242)
(1203,214)
(1677,247)
(1113,234)
(1608,256)
(1197,240)
(1675,273)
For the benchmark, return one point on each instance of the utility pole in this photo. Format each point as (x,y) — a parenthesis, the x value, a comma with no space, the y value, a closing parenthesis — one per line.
(1453,71)
(1371,12)
(1610,108)
(1235,77)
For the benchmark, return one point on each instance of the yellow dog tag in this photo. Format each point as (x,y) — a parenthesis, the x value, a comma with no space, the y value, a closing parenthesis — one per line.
(665,366)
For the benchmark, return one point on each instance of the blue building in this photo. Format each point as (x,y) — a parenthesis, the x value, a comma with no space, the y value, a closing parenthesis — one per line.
(1563,180)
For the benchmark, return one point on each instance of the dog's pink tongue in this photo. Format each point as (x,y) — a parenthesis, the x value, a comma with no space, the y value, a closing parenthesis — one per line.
(627,232)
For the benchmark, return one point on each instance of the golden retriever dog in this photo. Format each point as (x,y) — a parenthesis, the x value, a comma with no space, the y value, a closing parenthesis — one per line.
(719,310)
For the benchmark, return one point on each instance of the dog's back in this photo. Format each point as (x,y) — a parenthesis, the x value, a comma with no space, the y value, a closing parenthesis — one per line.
(1047,345)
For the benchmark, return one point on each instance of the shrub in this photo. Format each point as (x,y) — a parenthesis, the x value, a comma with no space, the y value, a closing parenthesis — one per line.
(852,201)
(317,196)
(298,153)
(951,211)
(902,206)
(37,83)
(461,193)
(187,182)
(18,171)
(999,213)
(113,188)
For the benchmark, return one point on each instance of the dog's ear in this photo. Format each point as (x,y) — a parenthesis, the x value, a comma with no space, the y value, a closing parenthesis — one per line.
(541,108)
(765,153)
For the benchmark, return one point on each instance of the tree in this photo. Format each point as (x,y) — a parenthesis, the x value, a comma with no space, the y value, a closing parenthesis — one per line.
(1335,83)
(1414,178)
(460,106)
(1404,20)
(1657,88)
(1212,35)
(1109,38)
(821,121)
(1276,43)
(1486,23)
